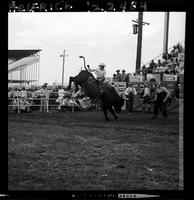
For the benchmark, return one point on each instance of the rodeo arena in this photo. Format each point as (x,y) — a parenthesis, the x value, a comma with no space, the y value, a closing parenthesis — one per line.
(125,137)
(26,95)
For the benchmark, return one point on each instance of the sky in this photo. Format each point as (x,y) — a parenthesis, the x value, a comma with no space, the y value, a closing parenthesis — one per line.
(98,36)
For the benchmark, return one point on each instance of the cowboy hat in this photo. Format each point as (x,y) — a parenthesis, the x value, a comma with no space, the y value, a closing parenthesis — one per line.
(123,70)
(102,64)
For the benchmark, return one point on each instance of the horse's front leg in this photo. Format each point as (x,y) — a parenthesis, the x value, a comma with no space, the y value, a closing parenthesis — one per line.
(76,87)
(70,81)
(104,108)
(113,112)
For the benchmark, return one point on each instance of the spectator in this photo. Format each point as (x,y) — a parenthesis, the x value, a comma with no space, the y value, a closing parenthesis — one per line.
(163,60)
(44,93)
(176,51)
(23,93)
(23,102)
(144,71)
(114,77)
(34,93)
(61,92)
(129,97)
(152,67)
(118,75)
(77,94)
(180,48)
(172,53)
(161,97)
(28,85)
(159,63)
(10,92)
(123,76)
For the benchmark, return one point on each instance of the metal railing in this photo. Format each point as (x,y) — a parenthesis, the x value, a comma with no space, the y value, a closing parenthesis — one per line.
(16,102)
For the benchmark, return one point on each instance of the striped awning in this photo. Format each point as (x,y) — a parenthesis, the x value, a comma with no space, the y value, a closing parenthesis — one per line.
(22,63)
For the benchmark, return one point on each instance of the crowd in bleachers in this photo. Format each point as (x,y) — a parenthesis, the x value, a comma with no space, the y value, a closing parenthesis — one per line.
(171,63)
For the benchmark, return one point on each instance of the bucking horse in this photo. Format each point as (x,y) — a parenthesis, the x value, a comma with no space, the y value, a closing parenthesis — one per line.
(109,99)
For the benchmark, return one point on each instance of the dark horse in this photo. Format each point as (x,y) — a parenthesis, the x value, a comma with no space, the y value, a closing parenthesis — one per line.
(109,99)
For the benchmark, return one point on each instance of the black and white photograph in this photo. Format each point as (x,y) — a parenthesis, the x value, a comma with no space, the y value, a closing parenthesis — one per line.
(95,99)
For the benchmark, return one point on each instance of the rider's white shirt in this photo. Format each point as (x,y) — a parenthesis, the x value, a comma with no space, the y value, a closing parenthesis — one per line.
(99,73)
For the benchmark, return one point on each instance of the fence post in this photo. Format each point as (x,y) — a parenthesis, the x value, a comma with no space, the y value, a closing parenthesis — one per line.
(47,102)
(73,108)
(18,103)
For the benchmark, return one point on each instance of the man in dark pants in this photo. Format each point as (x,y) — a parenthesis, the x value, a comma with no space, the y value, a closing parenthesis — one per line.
(129,96)
(161,97)
(146,98)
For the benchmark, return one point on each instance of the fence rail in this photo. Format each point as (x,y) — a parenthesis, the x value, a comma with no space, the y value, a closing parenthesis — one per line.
(17,102)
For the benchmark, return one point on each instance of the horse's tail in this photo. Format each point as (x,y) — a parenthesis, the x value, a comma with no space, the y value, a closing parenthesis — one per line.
(84,64)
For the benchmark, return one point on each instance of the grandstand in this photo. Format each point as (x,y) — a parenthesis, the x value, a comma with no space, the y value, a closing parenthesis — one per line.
(23,67)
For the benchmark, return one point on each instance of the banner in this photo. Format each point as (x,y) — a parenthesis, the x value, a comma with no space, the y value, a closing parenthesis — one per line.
(168,77)
(136,78)
(153,76)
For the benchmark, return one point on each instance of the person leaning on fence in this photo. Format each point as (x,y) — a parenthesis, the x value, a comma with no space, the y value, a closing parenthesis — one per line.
(129,97)
(24,101)
(146,98)
(161,100)
(61,93)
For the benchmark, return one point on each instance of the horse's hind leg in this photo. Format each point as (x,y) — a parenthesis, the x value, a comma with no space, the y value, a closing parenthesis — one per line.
(113,112)
(70,81)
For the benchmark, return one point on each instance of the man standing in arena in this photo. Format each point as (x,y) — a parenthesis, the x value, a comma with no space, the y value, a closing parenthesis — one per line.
(129,96)
(161,96)
(100,74)
(146,98)
(44,93)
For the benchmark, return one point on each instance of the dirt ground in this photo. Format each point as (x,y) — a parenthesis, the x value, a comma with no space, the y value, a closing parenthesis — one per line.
(80,151)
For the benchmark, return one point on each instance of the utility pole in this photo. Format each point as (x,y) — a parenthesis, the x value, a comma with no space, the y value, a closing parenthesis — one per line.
(138,29)
(166,30)
(139,43)
(63,66)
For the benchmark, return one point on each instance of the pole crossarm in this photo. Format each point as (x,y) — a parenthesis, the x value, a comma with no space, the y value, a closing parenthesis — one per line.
(140,22)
